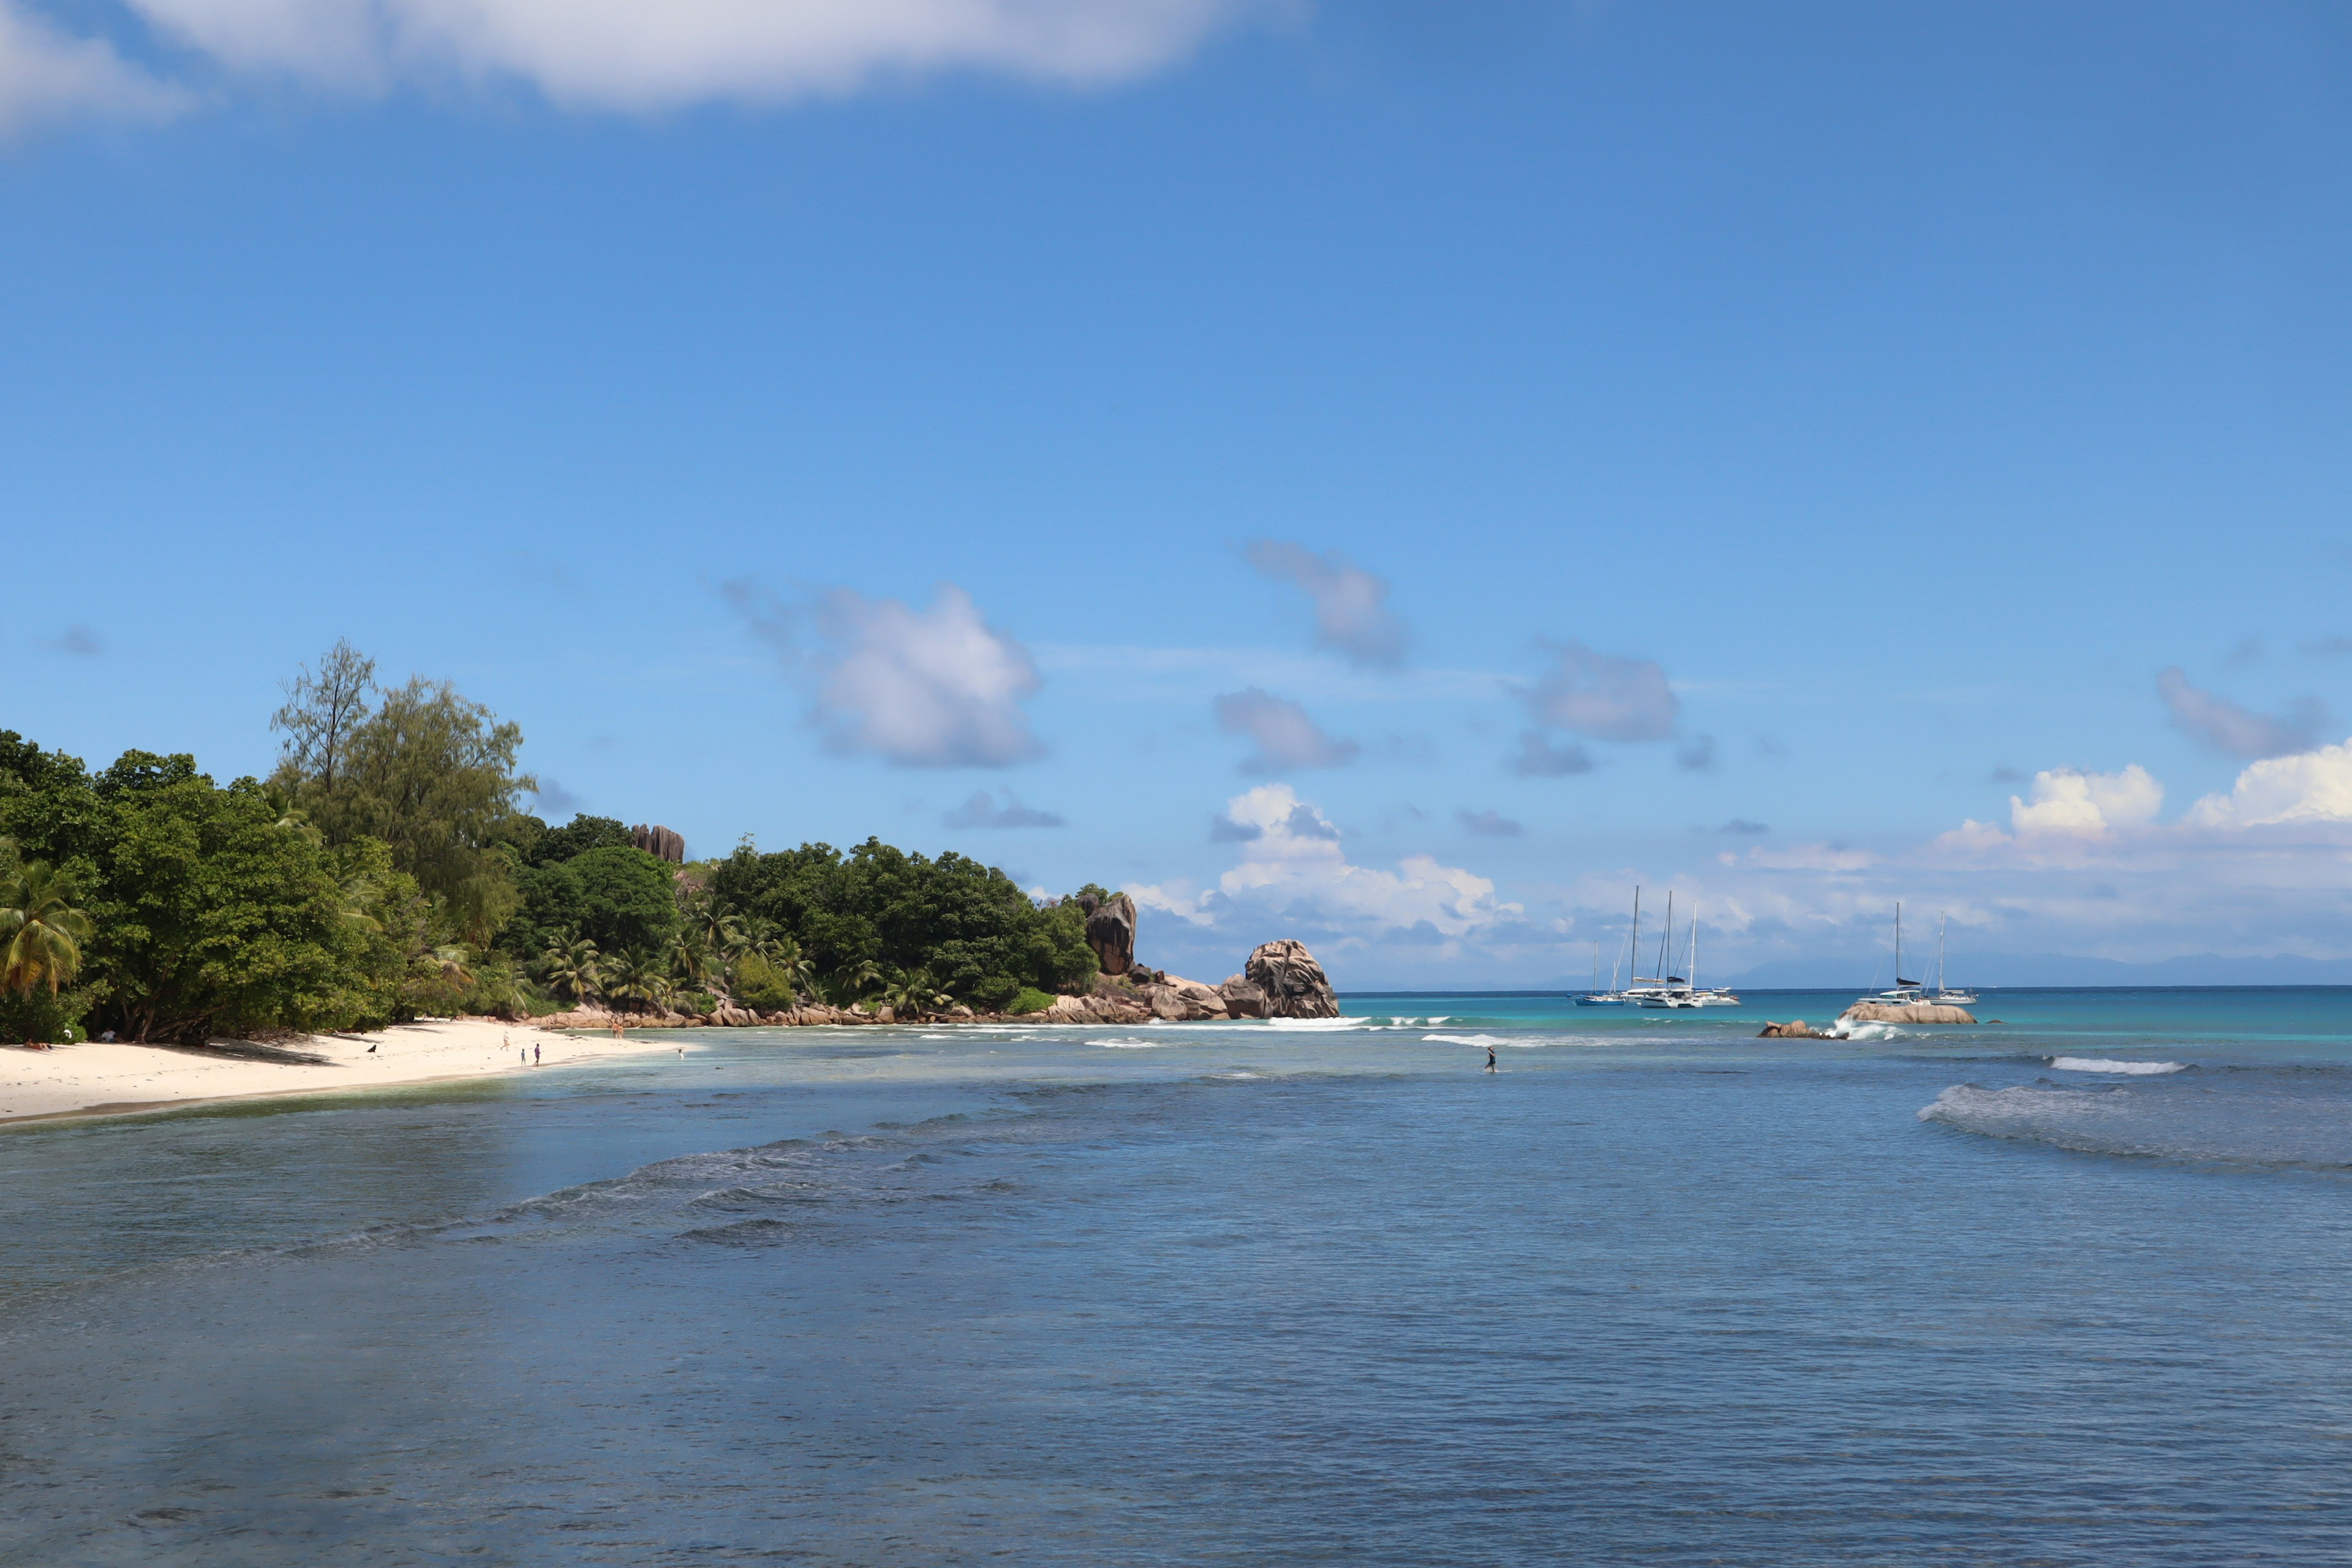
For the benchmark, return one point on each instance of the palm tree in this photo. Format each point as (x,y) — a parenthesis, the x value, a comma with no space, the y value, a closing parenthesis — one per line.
(914,992)
(572,964)
(639,977)
(42,928)
(850,983)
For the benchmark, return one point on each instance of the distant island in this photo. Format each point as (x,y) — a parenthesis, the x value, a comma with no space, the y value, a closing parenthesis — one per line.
(386,871)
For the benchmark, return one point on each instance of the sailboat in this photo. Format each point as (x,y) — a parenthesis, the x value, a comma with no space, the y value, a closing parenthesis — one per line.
(1653,991)
(1612,997)
(1694,994)
(1906,991)
(1944,992)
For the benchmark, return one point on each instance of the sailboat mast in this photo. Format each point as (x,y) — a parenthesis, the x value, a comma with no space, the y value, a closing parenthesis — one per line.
(1898,944)
(1666,935)
(1633,943)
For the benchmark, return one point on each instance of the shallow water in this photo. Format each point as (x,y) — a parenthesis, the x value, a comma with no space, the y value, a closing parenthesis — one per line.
(1658,1292)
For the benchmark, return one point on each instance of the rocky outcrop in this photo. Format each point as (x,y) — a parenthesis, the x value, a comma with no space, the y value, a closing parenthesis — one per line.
(1242,1000)
(661,843)
(1798,1030)
(1110,931)
(1107,1007)
(1905,1013)
(1181,1001)
(1294,983)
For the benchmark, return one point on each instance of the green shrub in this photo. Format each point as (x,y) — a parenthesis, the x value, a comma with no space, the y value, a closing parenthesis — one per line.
(37,1017)
(758,987)
(1029,1000)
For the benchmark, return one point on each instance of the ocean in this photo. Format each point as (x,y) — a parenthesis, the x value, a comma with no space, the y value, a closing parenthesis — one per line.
(2073,1288)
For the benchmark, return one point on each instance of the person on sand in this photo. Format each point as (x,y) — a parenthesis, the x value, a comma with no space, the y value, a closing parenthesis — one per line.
(1490,1058)
(534,1056)
(616,1029)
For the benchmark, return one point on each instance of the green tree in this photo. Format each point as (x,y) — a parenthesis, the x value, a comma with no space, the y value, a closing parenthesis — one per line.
(574,968)
(627,903)
(579,836)
(41,929)
(430,773)
(323,711)
(214,916)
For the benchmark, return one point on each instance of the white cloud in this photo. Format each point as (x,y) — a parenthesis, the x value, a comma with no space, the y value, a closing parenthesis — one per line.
(1352,611)
(2315,787)
(1287,738)
(2069,801)
(1603,697)
(48,75)
(629,55)
(2220,725)
(927,688)
(1295,862)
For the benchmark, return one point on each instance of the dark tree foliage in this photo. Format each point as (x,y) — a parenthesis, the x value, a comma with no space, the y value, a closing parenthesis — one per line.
(629,901)
(968,924)
(582,833)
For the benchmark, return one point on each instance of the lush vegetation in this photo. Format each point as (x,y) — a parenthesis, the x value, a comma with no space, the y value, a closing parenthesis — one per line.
(387,870)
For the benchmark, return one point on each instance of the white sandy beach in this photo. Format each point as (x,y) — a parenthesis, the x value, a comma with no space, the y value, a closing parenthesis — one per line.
(95,1079)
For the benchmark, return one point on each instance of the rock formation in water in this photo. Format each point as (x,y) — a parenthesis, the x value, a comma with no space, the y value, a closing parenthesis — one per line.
(1294,983)
(1110,931)
(1242,1000)
(1798,1030)
(661,843)
(1905,1013)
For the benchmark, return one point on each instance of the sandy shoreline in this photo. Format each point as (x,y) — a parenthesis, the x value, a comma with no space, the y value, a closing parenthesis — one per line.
(94,1079)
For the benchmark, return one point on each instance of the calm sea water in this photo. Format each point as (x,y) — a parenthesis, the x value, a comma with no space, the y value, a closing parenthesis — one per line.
(2074,1288)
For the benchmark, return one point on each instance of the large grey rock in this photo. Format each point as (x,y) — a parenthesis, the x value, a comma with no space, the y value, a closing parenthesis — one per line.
(1183,1001)
(1905,1013)
(661,843)
(1242,1000)
(1294,983)
(1110,931)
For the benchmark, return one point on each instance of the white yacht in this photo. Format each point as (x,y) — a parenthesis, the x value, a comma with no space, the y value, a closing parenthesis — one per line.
(1944,994)
(1906,991)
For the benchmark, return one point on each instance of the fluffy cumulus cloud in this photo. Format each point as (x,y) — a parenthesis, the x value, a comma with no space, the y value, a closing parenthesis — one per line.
(1351,607)
(1284,737)
(48,74)
(2218,724)
(984,810)
(1603,697)
(629,55)
(935,687)
(2070,801)
(2313,788)
(1294,874)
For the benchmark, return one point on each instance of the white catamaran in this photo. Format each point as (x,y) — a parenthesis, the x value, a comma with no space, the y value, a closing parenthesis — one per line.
(1612,997)
(1944,992)
(1906,991)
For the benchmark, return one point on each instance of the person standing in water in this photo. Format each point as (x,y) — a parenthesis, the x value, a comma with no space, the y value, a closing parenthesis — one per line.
(1490,1058)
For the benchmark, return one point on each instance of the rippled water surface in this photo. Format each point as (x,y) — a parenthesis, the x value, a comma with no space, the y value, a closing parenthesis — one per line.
(2069,1288)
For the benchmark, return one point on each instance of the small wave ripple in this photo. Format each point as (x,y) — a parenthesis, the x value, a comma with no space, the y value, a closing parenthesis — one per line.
(2280,1121)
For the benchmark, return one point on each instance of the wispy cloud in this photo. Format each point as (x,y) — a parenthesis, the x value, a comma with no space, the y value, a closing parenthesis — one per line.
(553,799)
(1539,758)
(76,639)
(1603,697)
(919,688)
(47,75)
(1697,755)
(634,57)
(1739,827)
(1352,609)
(2220,725)
(1488,824)
(1286,737)
(983,810)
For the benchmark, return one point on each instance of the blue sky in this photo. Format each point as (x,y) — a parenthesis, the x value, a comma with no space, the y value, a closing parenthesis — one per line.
(1390,473)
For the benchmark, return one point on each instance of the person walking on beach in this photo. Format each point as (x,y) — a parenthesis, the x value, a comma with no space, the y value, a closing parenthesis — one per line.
(1490,1058)
(534,1056)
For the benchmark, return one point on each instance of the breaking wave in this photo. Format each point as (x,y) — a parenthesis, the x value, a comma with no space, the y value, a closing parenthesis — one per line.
(2262,1120)
(2101,1064)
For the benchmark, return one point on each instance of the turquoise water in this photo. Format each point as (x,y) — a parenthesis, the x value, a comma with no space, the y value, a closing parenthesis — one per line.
(2069,1289)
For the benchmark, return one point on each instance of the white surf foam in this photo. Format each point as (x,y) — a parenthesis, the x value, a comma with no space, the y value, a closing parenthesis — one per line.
(1474,1040)
(1130,1045)
(1870,1031)
(1318,1023)
(2103,1063)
